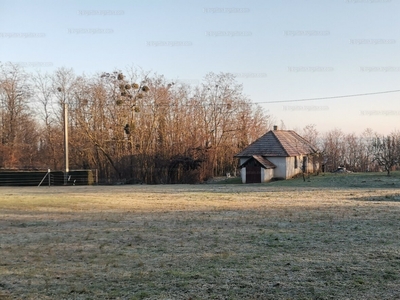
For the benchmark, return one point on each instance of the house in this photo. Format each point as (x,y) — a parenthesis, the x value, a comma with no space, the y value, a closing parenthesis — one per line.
(278,154)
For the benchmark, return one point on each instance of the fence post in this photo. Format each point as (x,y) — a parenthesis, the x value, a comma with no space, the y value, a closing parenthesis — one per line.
(47,174)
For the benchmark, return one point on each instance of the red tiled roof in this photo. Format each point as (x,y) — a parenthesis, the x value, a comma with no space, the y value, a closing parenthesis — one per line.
(281,143)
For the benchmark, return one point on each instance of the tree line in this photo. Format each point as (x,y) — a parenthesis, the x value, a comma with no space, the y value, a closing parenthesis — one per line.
(137,126)
(132,127)
(367,152)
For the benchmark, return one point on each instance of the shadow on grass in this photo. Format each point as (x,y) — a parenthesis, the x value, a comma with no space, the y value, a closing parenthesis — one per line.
(379,198)
(347,180)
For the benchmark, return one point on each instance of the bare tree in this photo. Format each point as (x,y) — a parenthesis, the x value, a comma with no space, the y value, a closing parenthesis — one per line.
(130,127)
(387,151)
(367,140)
(333,149)
(311,134)
(51,130)
(15,93)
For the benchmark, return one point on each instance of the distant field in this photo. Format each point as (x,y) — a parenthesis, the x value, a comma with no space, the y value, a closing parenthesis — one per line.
(283,240)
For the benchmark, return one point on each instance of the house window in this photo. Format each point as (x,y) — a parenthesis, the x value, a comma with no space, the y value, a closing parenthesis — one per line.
(296,163)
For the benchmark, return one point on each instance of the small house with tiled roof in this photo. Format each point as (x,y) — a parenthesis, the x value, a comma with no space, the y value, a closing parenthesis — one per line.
(278,154)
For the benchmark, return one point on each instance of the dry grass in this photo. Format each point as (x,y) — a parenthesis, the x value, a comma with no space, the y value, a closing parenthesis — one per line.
(199,242)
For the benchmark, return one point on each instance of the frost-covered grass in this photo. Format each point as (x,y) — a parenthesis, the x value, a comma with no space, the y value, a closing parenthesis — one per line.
(211,241)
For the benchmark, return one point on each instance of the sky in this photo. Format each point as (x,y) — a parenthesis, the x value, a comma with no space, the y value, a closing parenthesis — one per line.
(279,50)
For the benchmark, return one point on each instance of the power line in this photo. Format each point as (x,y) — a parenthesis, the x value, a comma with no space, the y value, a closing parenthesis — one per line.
(286,101)
(326,98)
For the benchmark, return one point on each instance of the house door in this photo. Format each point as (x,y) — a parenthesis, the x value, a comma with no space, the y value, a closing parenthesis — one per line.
(253,174)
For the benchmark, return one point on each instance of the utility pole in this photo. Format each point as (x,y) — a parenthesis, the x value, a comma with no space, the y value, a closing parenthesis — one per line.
(66,161)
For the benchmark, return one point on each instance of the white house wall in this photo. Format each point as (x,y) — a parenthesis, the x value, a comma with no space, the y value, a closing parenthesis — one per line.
(290,166)
(310,167)
(243,173)
(292,171)
(285,168)
(266,174)
(280,163)
(313,164)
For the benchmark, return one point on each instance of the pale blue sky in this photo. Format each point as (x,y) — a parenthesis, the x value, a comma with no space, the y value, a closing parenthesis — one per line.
(280,49)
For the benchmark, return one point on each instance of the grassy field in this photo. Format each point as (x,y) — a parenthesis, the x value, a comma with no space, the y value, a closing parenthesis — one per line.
(331,237)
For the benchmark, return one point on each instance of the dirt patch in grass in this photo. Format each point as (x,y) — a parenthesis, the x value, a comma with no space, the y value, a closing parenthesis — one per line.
(199,242)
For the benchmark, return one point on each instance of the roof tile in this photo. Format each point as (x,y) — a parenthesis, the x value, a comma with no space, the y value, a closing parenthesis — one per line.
(281,143)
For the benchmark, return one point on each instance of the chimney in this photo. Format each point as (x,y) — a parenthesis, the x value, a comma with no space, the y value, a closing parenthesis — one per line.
(275,127)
